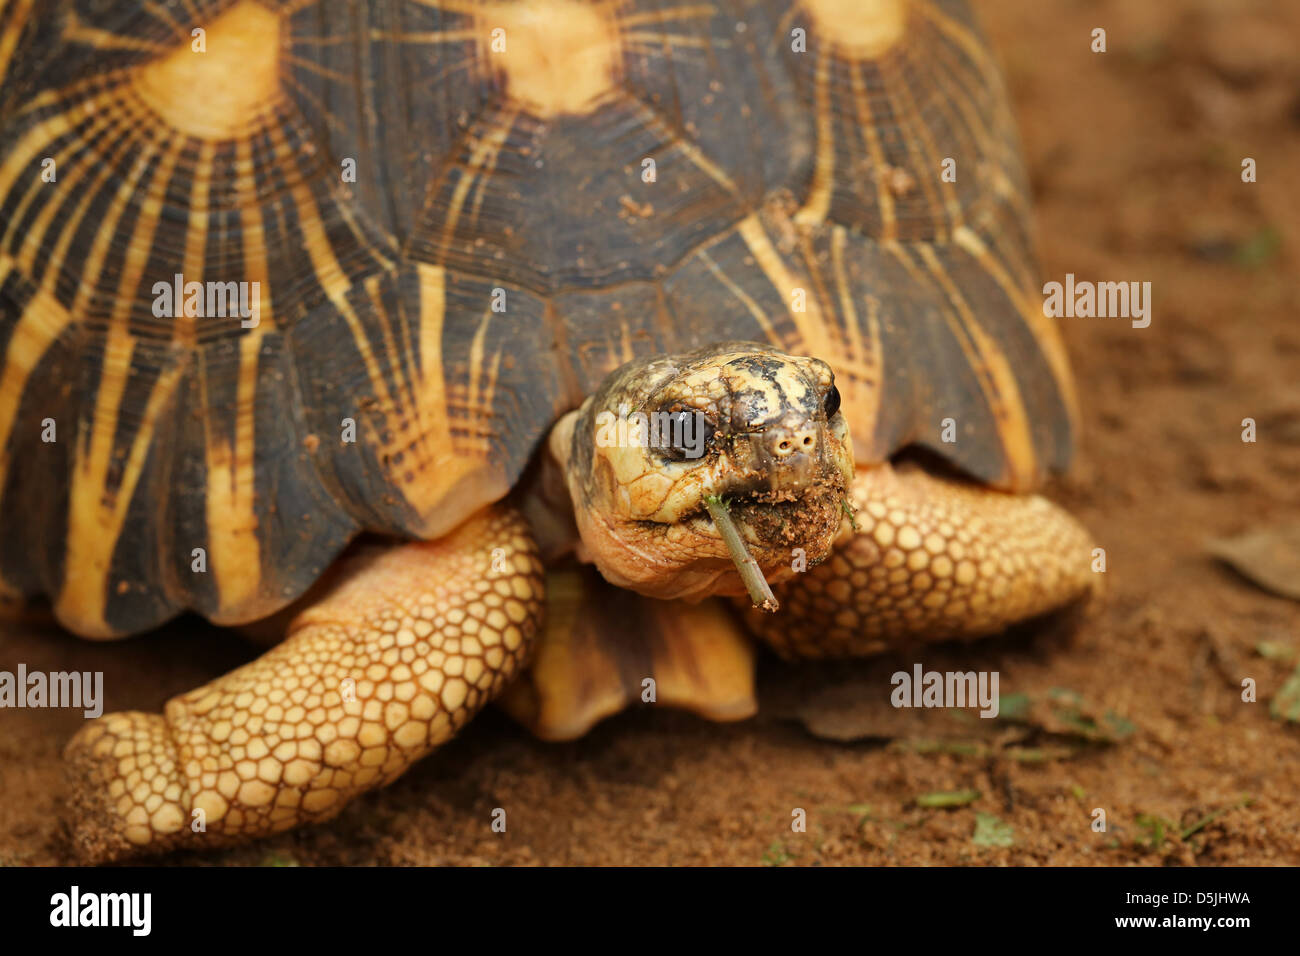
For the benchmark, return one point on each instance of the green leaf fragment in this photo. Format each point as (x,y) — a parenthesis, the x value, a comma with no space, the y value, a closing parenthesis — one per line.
(1013,706)
(1285,704)
(1260,249)
(947,798)
(990,831)
(1276,650)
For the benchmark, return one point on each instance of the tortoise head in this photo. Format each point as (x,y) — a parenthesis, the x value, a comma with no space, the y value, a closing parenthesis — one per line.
(745,425)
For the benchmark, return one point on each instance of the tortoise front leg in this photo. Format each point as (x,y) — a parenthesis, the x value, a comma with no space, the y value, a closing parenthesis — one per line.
(930,558)
(397,655)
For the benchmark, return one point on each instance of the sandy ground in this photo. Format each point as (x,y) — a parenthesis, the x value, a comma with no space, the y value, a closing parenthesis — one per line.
(1133,706)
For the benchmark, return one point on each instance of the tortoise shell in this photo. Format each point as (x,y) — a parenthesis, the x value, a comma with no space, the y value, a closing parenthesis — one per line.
(450,220)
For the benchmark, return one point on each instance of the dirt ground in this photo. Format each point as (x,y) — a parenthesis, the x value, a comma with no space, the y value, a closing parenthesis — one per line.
(1133,706)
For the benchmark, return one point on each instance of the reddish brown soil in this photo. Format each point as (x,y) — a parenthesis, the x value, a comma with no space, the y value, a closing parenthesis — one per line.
(1135,159)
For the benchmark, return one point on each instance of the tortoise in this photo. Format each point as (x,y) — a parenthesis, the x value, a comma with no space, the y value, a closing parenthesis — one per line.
(495,350)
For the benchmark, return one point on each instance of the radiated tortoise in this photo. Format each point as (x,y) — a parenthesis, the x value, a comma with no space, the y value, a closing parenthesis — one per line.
(376,325)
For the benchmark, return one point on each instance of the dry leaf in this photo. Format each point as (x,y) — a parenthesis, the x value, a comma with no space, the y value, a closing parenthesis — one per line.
(1268,558)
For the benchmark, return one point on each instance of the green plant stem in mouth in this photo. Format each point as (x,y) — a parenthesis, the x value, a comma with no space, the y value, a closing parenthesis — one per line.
(851,513)
(759,591)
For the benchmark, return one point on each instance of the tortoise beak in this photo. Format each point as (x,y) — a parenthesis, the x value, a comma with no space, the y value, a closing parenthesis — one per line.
(789,491)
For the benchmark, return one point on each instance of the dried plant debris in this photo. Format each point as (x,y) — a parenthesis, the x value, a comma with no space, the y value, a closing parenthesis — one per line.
(1066,713)
(1201,822)
(857,712)
(1036,726)
(1269,558)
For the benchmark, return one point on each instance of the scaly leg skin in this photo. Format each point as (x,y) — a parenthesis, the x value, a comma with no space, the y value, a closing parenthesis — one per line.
(394,658)
(931,558)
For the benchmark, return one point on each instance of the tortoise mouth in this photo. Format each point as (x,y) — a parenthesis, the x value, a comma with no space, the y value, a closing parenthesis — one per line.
(766,526)
(778,524)
(783,519)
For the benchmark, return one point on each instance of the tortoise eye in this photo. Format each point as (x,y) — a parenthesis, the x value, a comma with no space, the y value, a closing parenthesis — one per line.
(685,435)
(832,402)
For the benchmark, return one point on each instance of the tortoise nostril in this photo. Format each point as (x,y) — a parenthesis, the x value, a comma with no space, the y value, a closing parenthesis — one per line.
(785,443)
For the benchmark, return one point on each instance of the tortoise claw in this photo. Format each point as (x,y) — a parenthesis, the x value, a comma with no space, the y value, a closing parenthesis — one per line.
(126,793)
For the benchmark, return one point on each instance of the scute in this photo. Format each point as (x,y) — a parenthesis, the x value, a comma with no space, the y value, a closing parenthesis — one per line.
(452,248)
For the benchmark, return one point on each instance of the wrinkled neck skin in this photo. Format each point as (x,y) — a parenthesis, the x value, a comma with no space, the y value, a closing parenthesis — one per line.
(635,508)
(546,502)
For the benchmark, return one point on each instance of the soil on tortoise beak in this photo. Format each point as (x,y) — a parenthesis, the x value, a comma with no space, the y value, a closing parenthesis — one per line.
(1133,706)
(787,517)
